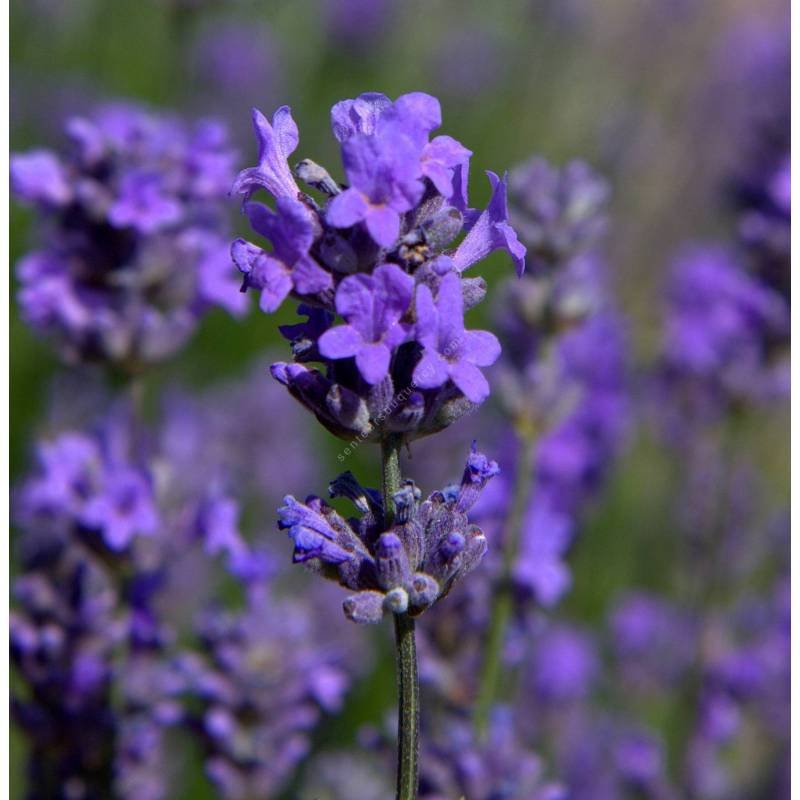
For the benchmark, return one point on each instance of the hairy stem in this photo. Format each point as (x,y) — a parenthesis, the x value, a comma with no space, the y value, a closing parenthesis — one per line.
(408,707)
(502,599)
(407,678)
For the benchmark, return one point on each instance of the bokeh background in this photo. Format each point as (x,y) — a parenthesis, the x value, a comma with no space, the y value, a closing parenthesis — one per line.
(657,95)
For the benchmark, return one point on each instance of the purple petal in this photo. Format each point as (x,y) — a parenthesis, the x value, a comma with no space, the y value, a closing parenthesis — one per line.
(373,362)
(244,255)
(274,280)
(469,379)
(450,304)
(481,348)
(490,232)
(350,117)
(39,177)
(430,372)
(439,159)
(343,341)
(422,108)
(383,224)
(354,302)
(276,143)
(427,327)
(347,209)
(309,277)
(393,290)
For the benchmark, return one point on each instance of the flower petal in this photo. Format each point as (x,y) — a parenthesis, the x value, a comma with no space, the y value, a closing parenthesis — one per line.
(383,224)
(343,341)
(372,361)
(346,209)
(469,379)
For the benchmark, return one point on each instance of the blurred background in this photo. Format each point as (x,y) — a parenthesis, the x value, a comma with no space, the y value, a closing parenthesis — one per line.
(658,96)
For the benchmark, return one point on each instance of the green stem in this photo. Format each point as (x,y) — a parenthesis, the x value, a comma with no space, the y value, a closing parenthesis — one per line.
(502,599)
(407,678)
(408,707)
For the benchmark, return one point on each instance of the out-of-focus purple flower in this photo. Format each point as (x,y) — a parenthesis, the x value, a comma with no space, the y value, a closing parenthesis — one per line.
(358,23)
(565,665)
(455,764)
(82,483)
(237,62)
(558,213)
(133,252)
(402,568)
(722,326)
(258,687)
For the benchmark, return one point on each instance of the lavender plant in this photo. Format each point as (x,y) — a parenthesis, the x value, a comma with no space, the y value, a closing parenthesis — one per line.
(134,235)
(563,393)
(379,253)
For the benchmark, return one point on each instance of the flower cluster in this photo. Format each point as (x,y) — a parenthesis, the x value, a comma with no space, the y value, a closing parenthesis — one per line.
(257,686)
(119,543)
(377,255)
(562,379)
(401,568)
(134,247)
(725,333)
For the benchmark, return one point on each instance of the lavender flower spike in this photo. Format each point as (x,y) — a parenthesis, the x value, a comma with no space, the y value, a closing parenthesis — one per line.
(401,569)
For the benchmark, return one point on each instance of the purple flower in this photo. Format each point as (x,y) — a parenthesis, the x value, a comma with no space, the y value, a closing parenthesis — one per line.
(123,508)
(143,204)
(721,323)
(558,213)
(39,177)
(276,143)
(289,268)
(491,231)
(415,369)
(541,569)
(384,172)
(133,231)
(451,352)
(565,666)
(403,568)
(373,306)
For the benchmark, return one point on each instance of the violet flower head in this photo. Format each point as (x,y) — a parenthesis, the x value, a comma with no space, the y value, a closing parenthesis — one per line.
(558,213)
(456,764)
(376,253)
(134,249)
(405,567)
(725,330)
(82,484)
(257,688)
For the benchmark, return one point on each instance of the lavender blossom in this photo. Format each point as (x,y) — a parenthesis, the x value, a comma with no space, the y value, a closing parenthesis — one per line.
(376,254)
(724,335)
(134,246)
(257,689)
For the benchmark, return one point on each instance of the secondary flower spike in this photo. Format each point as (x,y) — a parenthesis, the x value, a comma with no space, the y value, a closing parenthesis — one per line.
(401,569)
(377,251)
